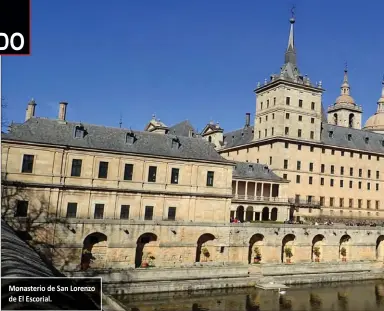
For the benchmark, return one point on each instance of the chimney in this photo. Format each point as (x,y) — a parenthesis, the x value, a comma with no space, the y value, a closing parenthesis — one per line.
(62,110)
(247,119)
(30,113)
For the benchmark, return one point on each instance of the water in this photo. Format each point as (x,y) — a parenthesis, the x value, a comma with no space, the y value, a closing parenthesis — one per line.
(359,296)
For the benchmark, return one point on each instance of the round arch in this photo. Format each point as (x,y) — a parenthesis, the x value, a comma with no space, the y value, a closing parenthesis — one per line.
(249,213)
(317,247)
(265,214)
(144,242)
(344,247)
(94,250)
(202,244)
(380,248)
(274,214)
(287,242)
(240,213)
(257,240)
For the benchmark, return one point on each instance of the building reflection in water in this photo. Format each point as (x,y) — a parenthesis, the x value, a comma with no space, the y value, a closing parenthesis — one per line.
(322,297)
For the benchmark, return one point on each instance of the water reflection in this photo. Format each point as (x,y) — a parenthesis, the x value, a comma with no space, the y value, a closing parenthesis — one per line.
(335,296)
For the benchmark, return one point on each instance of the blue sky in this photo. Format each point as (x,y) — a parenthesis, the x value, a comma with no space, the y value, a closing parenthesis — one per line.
(197,60)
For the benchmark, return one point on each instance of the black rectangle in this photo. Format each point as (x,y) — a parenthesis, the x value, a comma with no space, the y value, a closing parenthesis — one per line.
(52,293)
(15,23)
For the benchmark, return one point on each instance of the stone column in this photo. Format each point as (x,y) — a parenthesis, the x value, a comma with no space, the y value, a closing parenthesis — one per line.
(270,190)
(262,189)
(236,188)
(246,190)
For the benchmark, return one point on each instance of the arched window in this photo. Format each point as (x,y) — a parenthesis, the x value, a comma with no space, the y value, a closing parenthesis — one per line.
(335,119)
(351,120)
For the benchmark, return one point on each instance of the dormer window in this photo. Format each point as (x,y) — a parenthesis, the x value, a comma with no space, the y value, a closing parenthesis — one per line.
(330,133)
(349,137)
(366,140)
(176,142)
(130,138)
(79,131)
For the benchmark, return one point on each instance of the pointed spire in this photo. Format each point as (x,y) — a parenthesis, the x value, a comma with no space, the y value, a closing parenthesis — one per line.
(380,102)
(290,54)
(345,88)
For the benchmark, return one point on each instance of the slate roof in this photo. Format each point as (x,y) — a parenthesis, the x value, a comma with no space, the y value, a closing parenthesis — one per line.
(340,138)
(248,170)
(238,137)
(182,129)
(55,132)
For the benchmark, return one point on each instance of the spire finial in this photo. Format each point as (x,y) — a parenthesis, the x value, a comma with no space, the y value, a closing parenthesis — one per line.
(290,54)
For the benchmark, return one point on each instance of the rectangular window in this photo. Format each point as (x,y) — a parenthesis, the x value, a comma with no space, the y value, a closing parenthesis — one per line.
(322,199)
(341,202)
(71,210)
(359,184)
(286,130)
(332,169)
(341,183)
(300,103)
(175,176)
(313,106)
(368,204)
(297,179)
(350,204)
(351,184)
(342,153)
(27,166)
(76,167)
(99,211)
(21,209)
(128,171)
(103,169)
(285,176)
(377,175)
(351,171)
(287,116)
(270,160)
(331,182)
(288,101)
(359,203)
(322,150)
(148,213)
(210,176)
(171,213)
(298,147)
(360,172)
(331,201)
(312,149)
(333,152)
(342,170)
(300,118)
(312,120)
(322,181)
(368,186)
(298,165)
(124,212)
(322,168)
(286,145)
(377,187)
(377,204)
(310,180)
(311,167)
(369,174)
(299,133)
(312,134)
(267,103)
(274,101)
(351,154)
(152,171)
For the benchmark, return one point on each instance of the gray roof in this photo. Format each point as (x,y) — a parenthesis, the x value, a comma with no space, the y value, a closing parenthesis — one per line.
(182,129)
(248,170)
(55,132)
(340,138)
(238,137)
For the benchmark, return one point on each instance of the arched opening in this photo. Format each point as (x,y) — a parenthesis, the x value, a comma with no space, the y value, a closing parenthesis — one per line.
(287,248)
(274,214)
(204,247)
(144,242)
(240,213)
(317,247)
(94,250)
(335,119)
(351,120)
(255,249)
(249,214)
(265,214)
(380,248)
(344,247)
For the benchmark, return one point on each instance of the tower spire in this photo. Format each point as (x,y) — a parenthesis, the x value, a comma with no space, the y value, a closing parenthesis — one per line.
(380,102)
(345,88)
(290,54)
